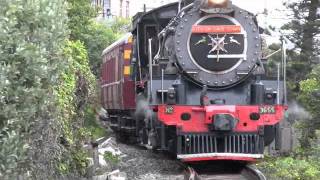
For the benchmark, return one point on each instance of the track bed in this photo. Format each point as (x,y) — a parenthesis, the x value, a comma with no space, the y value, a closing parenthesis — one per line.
(223,171)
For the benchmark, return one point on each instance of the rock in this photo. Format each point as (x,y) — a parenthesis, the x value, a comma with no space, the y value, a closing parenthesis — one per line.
(90,161)
(103,114)
(117,175)
(108,145)
(101,177)
(102,162)
(111,146)
(113,151)
(137,163)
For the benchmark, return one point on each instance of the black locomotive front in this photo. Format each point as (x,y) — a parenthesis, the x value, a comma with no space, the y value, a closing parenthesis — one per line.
(201,82)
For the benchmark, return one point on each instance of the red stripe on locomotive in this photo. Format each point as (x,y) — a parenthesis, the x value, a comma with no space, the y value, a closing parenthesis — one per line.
(201,117)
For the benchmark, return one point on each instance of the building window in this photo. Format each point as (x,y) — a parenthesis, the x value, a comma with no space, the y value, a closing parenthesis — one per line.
(127,9)
(121,5)
(97,3)
(106,8)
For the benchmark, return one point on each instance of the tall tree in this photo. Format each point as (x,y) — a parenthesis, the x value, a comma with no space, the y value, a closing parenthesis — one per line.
(95,36)
(305,27)
(304,30)
(80,15)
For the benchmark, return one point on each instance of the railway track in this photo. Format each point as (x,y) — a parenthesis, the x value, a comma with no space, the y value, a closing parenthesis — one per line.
(223,171)
(167,167)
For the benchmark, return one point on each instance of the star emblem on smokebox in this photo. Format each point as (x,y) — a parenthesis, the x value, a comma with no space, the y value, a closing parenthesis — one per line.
(218,43)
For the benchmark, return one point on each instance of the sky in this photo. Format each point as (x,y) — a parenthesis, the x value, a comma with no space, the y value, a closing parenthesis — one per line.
(277,14)
(257,6)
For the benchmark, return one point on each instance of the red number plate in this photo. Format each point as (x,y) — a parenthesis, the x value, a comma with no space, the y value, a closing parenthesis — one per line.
(201,29)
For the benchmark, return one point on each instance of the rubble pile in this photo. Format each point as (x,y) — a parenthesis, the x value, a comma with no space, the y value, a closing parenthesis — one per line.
(137,163)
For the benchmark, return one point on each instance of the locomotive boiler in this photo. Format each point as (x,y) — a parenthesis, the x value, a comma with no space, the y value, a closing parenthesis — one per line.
(190,80)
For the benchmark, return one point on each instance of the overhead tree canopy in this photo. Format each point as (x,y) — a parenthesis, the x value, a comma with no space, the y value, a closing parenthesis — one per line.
(80,13)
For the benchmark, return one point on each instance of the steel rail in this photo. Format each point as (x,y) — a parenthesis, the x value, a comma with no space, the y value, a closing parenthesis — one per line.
(247,172)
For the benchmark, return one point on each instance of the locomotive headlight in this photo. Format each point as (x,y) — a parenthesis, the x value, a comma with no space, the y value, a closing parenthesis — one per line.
(217,3)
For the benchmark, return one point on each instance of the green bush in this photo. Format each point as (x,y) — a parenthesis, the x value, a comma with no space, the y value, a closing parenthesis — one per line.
(96,39)
(47,91)
(32,34)
(309,97)
(302,164)
(308,89)
(77,87)
(96,131)
(289,168)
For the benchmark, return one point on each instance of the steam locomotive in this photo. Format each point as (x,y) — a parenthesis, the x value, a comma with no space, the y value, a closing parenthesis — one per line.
(190,80)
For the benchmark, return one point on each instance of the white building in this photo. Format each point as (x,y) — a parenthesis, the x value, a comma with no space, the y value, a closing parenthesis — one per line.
(150,4)
(126,8)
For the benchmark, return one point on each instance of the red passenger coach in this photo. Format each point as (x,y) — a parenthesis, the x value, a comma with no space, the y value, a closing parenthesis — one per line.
(117,88)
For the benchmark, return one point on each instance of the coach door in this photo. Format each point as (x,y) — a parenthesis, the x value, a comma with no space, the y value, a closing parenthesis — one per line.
(111,80)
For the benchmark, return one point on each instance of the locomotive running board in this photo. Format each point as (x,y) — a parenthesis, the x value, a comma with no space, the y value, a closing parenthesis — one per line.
(221,155)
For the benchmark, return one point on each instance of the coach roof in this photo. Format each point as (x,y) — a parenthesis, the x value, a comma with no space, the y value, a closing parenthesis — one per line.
(119,42)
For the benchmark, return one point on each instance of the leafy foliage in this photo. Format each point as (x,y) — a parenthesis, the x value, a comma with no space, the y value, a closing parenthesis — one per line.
(109,157)
(47,89)
(77,93)
(304,86)
(96,131)
(120,25)
(96,40)
(302,164)
(289,168)
(302,31)
(310,98)
(32,34)
(309,95)
(304,27)
(75,88)
(99,36)
(95,36)
(80,14)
